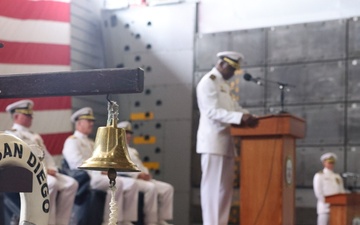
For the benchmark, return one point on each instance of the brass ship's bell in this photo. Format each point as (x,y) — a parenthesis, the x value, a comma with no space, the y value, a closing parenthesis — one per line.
(110,151)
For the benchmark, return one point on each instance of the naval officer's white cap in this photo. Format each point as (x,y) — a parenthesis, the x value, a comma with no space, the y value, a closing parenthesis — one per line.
(83,114)
(330,157)
(126,125)
(232,58)
(23,106)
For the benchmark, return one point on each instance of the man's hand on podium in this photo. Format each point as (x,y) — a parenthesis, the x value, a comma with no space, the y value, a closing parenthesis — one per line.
(249,120)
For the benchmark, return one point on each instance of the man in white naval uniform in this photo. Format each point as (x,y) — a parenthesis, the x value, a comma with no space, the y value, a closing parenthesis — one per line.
(78,148)
(62,188)
(158,198)
(217,111)
(326,182)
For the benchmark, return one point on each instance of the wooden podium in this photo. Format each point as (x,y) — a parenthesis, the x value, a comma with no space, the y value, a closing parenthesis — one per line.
(267,169)
(344,208)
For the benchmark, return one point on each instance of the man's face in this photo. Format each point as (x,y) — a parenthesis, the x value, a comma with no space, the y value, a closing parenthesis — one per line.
(329,165)
(226,70)
(85,126)
(23,119)
(128,137)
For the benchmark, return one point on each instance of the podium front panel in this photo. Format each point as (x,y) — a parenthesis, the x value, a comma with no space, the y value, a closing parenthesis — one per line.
(267,181)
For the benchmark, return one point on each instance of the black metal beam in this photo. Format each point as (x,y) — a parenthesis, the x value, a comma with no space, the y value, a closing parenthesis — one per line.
(72,83)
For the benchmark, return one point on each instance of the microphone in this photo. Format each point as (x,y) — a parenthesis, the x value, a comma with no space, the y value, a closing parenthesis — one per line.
(256,80)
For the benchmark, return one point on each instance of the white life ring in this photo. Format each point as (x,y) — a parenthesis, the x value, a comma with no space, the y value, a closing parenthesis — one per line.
(35,205)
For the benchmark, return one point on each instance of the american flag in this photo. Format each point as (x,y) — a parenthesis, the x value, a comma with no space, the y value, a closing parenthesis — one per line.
(36,38)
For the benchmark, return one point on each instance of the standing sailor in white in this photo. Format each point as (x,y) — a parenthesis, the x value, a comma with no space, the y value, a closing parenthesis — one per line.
(326,182)
(217,111)
(78,148)
(158,199)
(62,188)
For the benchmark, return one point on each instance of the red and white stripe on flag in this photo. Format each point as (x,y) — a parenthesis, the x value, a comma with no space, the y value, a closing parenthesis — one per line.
(36,38)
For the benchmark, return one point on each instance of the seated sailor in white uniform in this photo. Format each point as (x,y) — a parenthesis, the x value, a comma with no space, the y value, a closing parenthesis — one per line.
(158,198)
(62,188)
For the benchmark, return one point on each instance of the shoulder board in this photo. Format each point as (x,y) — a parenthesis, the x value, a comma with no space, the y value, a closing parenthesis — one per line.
(212,77)
(13,130)
(321,172)
(72,136)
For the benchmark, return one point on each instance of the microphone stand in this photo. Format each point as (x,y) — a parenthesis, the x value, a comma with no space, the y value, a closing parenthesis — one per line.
(355,182)
(282,96)
(283,87)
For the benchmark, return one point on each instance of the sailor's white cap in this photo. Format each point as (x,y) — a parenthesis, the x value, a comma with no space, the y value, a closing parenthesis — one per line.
(329,156)
(232,58)
(126,125)
(85,113)
(23,106)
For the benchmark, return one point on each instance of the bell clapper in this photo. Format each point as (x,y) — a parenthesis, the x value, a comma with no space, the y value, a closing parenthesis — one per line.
(113,207)
(112,176)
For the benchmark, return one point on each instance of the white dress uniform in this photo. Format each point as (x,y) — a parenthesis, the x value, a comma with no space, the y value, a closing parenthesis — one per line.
(217,111)
(326,183)
(159,203)
(62,188)
(77,149)
(158,195)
